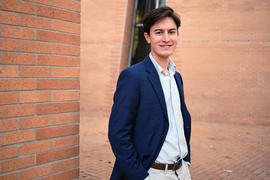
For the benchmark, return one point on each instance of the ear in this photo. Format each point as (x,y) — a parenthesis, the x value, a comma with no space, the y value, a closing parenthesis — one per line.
(147,37)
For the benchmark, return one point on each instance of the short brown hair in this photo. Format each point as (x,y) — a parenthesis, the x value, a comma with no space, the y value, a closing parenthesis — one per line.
(157,14)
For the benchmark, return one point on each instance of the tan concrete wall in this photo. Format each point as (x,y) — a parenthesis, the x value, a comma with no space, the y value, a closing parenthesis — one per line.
(223,55)
(105,36)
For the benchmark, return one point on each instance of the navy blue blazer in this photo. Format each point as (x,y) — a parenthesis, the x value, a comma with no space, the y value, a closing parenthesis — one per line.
(139,123)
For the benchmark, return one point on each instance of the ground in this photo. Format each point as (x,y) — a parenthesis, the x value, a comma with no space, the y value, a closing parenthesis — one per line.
(218,151)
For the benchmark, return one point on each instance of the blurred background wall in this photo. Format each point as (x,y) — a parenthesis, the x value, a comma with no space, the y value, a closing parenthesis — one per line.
(222,54)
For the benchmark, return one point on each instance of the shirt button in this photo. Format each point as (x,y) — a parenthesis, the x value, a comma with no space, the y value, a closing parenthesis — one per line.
(163,136)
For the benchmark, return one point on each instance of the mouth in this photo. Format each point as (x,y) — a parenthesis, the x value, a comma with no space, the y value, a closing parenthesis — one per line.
(165,46)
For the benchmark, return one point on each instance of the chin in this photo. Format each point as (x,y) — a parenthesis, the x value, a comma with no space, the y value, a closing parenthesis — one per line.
(167,54)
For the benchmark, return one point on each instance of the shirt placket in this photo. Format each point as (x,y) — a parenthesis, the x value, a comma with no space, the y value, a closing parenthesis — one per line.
(177,116)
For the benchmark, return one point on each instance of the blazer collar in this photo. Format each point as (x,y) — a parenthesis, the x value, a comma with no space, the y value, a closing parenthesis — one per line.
(149,66)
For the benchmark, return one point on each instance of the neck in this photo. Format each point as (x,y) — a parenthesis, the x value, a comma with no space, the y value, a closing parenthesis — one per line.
(162,62)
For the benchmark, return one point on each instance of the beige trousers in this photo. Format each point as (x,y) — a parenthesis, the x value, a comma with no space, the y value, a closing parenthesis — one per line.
(183,173)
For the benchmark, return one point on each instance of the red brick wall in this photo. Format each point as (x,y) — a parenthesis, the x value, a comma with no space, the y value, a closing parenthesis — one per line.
(39,89)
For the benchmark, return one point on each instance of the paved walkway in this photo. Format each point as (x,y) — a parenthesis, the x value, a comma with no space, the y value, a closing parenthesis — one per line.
(219,151)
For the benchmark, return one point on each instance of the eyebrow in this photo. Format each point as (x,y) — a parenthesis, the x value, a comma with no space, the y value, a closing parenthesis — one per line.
(163,30)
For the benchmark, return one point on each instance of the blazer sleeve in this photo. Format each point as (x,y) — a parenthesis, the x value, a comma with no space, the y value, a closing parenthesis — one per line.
(122,118)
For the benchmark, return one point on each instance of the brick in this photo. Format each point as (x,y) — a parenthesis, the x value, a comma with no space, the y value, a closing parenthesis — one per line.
(33,71)
(18,32)
(35,147)
(58,14)
(9,45)
(34,122)
(37,47)
(18,58)
(65,142)
(17,84)
(9,125)
(8,98)
(18,163)
(66,27)
(47,2)
(8,152)
(18,6)
(9,18)
(52,108)
(37,96)
(35,172)
(72,174)
(51,132)
(58,37)
(66,49)
(16,111)
(58,84)
(66,118)
(9,71)
(17,137)
(65,165)
(68,4)
(11,176)
(66,72)
(49,60)
(66,95)
(35,22)
(57,155)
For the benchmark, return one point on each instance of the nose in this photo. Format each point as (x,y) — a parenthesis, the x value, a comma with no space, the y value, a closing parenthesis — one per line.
(166,37)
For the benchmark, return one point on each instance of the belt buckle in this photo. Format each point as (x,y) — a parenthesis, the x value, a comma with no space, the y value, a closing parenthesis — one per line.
(177,163)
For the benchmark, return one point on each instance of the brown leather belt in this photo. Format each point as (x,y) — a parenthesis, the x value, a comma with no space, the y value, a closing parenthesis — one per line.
(173,167)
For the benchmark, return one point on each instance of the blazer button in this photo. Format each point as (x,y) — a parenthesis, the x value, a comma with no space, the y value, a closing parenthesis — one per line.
(154,158)
(163,137)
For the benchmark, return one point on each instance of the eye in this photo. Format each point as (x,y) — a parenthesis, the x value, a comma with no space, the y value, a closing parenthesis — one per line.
(158,32)
(172,32)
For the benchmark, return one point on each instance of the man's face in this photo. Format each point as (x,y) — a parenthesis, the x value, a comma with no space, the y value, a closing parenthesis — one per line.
(163,38)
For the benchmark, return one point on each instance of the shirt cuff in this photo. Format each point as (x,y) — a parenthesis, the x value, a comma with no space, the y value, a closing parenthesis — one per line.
(188,163)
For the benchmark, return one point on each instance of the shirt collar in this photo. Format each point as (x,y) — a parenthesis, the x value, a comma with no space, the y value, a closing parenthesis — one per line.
(171,65)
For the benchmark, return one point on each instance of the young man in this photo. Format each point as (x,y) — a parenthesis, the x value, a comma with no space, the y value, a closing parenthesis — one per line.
(150,126)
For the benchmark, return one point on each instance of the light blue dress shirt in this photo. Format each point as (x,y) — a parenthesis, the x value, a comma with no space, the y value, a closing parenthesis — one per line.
(175,146)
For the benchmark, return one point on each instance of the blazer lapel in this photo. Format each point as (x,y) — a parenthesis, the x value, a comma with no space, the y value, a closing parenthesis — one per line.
(181,92)
(180,88)
(154,79)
